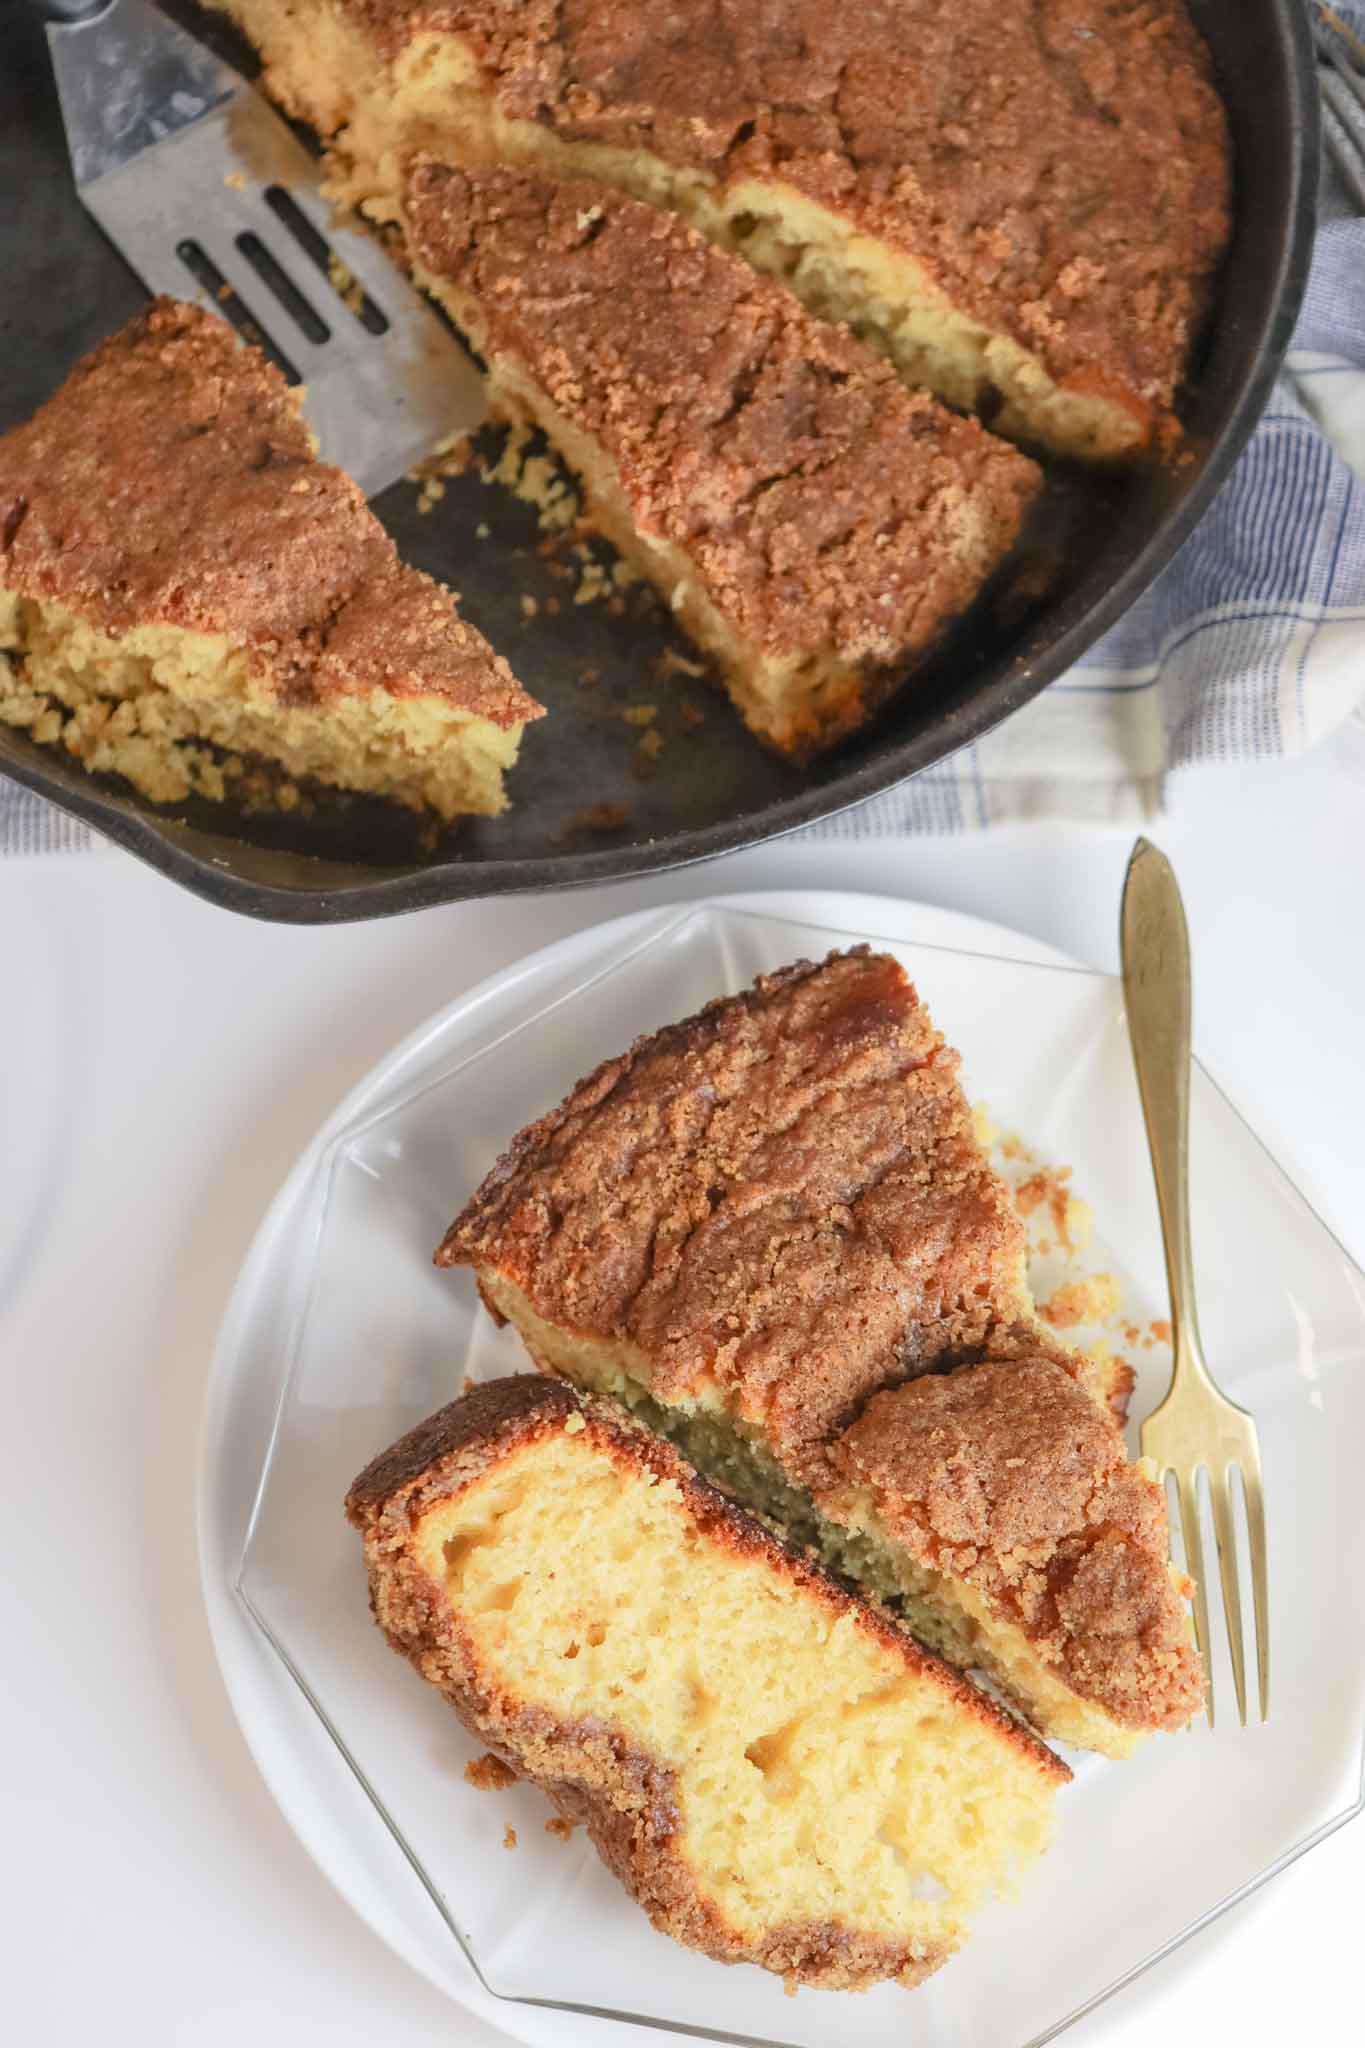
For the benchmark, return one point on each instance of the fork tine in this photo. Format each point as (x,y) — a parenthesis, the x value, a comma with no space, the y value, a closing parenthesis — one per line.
(1260,1593)
(1221,1498)
(1194,1564)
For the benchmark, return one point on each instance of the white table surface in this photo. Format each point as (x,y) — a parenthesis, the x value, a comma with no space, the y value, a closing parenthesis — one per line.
(149,1891)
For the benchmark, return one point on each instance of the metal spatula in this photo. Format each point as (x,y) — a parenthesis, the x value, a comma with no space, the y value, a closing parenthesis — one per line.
(209,195)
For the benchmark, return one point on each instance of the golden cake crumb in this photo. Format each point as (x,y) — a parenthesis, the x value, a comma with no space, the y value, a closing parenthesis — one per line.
(593,583)
(1093,1299)
(488,1773)
(1078,1222)
(344,283)
(987,1130)
(673,663)
(1071,1217)
(538,480)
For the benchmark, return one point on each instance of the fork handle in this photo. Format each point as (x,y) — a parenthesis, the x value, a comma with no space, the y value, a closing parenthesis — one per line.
(1155,949)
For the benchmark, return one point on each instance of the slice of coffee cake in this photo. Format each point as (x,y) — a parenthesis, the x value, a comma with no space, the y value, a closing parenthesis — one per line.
(1022,202)
(190,600)
(813,526)
(777,1774)
(771,1231)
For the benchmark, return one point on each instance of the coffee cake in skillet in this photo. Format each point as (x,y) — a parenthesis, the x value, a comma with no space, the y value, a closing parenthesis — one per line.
(1022,202)
(191,600)
(813,526)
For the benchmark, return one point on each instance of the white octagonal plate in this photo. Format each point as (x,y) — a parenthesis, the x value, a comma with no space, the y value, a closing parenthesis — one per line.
(341,1335)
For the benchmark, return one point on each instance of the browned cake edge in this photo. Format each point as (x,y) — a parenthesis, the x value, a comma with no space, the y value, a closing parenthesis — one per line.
(1013,1479)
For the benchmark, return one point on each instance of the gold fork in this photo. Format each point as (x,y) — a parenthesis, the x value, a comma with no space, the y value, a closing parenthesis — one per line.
(1195,1426)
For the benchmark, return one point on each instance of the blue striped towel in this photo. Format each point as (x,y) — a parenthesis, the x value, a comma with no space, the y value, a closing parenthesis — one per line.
(1252,642)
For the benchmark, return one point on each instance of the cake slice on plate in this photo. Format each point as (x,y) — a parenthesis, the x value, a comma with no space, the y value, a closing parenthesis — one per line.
(1022,204)
(190,600)
(777,1774)
(814,526)
(771,1231)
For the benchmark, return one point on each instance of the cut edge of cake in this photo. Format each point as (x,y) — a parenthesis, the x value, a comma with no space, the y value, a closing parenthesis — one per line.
(704,1761)
(849,1533)
(177,714)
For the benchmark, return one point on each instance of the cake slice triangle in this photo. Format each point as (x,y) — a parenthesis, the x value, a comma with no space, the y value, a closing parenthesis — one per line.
(189,599)
(816,528)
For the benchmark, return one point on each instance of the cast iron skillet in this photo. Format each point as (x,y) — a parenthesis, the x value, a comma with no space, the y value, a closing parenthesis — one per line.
(711,789)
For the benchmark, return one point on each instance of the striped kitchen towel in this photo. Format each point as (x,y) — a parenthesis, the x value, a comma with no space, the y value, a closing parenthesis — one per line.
(1252,642)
